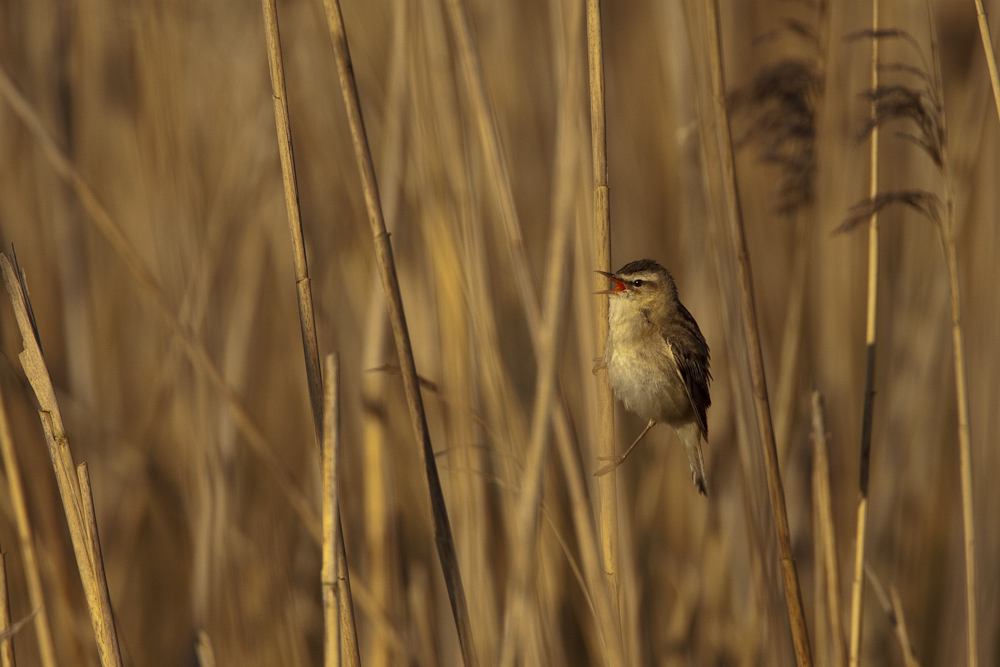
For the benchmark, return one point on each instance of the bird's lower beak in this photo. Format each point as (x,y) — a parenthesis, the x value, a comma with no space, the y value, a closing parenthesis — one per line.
(619,285)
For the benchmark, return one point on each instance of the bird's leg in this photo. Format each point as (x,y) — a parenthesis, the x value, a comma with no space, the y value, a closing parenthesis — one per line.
(618,460)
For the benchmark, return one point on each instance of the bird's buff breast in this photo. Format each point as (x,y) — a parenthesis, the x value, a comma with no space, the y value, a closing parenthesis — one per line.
(642,374)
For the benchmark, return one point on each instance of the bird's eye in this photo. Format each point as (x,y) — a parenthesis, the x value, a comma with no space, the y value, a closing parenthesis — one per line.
(638,283)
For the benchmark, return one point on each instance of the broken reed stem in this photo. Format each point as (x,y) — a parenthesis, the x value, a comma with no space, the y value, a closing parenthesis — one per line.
(824,509)
(946,229)
(26,540)
(991,58)
(390,282)
(909,660)
(204,650)
(99,216)
(109,636)
(893,609)
(337,612)
(328,571)
(793,596)
(858,585)
(608,484)
(77,509)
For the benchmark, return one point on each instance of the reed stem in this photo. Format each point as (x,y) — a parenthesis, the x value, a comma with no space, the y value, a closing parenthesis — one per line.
(608,484)
(858,583)
(793,595)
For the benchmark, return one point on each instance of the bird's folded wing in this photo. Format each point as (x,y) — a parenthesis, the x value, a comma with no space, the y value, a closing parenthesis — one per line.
(694,381)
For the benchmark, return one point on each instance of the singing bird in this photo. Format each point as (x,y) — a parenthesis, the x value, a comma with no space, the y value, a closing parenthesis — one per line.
(657,359)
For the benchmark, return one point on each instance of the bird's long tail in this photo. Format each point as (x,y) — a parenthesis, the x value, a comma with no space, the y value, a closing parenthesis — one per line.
(690,436)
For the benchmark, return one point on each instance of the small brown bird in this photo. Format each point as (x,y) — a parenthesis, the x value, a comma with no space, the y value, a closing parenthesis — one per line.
(657,359)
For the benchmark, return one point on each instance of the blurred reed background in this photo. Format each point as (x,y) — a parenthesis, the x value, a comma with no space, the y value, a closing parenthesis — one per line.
(164,111)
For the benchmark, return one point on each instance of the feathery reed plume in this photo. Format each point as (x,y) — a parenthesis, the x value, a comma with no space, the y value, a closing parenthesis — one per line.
(793,595)
(922,104)
(782,103)
(390,282)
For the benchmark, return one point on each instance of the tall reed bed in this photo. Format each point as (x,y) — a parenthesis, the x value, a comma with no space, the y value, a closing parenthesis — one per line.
(141,182)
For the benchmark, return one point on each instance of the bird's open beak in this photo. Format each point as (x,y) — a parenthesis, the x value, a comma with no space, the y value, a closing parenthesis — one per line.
(619,285)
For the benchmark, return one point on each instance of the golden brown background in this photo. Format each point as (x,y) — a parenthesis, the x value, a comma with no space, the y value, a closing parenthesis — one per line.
(164,111)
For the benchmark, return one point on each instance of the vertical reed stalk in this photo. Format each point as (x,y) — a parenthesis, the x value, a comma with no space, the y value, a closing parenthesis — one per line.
(857,587)
(793,596)
(390,283)
(26,540)
(332,603)
(602,259)
(7,641)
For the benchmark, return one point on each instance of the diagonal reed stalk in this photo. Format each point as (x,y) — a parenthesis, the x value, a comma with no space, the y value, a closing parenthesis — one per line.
(893,608)
(73,482)
(857,586)
(390,282)
(991,58)
(946,230)
(307,320)
(793,595)
(602,259)
(823,505)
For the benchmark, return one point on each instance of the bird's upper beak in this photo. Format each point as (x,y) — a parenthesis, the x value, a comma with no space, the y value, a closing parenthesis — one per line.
(619,285)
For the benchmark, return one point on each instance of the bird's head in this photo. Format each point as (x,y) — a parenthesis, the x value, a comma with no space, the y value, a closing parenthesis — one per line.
(643,282)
